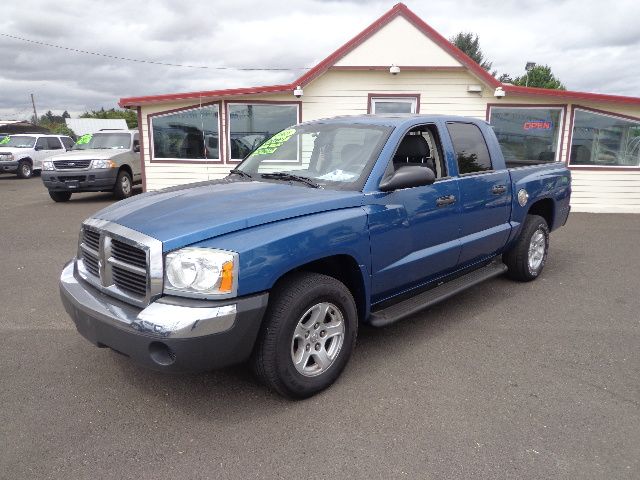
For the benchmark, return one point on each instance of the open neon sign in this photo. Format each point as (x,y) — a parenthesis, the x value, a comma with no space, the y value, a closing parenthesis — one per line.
(537,125)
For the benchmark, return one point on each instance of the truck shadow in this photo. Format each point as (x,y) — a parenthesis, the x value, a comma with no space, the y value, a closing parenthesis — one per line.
(235,392)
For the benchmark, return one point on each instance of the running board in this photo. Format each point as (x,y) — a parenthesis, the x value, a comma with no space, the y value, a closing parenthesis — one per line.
(405,308)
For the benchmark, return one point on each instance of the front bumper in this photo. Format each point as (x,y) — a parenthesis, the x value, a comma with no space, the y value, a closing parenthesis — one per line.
(171,334)
(96,180)
(6,166)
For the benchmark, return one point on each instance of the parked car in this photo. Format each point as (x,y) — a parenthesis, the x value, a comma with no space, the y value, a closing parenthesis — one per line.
(24,153)
(326,225)
(109,162)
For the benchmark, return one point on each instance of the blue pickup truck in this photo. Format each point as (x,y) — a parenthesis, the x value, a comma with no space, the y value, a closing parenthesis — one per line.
(326,225)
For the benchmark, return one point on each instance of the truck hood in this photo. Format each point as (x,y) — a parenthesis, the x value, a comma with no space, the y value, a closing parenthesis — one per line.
(186,215)
(13,150)
(91,154)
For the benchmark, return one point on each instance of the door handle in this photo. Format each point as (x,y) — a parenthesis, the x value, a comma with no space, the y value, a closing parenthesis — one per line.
(446,200)
(498,189)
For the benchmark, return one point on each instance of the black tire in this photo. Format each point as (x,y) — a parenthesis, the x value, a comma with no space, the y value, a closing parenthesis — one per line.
(60,196)
(25,169)
(121,189)
(517,258)
(273,355)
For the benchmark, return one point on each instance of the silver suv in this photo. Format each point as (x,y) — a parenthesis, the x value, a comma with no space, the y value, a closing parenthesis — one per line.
(24,153)
(110,162)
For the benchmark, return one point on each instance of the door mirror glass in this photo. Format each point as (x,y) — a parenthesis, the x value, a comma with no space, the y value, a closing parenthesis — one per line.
(408,177)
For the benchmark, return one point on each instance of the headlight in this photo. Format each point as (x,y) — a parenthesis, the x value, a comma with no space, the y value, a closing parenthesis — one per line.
(103,164)
(7,157)
(48,165)
(201,272)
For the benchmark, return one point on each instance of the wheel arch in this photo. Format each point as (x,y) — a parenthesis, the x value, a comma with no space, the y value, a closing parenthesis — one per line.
(545,208)
(344,268)
(125,167)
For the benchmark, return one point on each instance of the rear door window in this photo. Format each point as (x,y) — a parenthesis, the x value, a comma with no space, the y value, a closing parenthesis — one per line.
(471,150)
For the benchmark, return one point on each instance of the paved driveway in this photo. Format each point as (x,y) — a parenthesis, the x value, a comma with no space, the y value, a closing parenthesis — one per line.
(506,380)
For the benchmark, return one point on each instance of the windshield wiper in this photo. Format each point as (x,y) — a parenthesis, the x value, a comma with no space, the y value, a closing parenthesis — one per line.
(242,173)
(291,176)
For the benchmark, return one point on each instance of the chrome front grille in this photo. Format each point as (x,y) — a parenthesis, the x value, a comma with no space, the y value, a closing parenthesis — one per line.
(71,164)
(121,262)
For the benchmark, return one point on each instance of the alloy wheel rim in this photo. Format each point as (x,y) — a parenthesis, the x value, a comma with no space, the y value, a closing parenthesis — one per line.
(26,170)
(317,339)
(126,186)
(537,249)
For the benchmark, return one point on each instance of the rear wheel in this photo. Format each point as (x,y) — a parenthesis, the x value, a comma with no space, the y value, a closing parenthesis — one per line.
(308,335)
(123,186)
(60,196)
(527,257)
(25,170)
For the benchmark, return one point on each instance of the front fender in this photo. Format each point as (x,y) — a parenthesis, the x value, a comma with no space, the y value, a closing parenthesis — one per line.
(267,252)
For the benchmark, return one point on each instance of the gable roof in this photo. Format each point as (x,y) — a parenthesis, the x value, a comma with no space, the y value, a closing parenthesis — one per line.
(397,10)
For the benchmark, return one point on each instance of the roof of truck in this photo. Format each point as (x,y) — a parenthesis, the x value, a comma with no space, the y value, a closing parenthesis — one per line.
(392,120)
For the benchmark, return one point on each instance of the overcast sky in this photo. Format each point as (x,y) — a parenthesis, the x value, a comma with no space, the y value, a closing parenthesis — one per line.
(590,45)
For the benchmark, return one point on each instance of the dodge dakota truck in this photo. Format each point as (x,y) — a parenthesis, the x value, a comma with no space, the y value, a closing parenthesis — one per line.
(327,225)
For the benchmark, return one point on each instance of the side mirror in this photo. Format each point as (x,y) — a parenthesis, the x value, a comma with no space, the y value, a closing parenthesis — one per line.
(408,177)
(136,148)
(37,148)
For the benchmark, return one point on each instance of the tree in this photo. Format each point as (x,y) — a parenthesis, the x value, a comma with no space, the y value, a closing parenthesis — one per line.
(470,44)
(129,116)
(540,76)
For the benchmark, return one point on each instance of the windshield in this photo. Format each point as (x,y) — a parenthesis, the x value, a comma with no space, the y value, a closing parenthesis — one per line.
(329,155)
(105,141)
(18,142)
(83,142)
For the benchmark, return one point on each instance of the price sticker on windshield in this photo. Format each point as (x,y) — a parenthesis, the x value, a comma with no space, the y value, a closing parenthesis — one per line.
(4,140)
(84,139)
(275,142)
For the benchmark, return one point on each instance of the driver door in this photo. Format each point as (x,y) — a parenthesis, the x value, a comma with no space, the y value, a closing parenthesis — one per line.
(415,231)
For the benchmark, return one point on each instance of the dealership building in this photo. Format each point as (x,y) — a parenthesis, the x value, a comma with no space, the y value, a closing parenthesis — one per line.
(399,64)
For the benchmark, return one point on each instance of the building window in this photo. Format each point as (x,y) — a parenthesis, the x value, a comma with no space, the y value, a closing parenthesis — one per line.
(187,135)
(528,135)
(250,124)
(471,150)
(393,104)
(604,140)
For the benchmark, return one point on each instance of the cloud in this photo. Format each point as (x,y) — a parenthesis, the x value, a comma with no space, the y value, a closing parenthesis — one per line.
(589,48)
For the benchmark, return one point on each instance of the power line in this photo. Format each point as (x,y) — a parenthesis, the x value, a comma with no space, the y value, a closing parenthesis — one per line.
(137,60)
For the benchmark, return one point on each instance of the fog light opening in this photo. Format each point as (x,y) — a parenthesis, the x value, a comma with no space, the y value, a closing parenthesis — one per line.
(161,354)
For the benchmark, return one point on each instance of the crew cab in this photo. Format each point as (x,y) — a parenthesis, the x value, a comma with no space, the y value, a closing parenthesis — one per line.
(109,161)
(24,153)
(327,225)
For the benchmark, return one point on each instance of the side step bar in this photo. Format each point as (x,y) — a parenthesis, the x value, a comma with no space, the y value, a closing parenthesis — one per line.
(400,310)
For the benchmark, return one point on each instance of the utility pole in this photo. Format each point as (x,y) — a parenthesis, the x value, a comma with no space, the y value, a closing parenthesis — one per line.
(35,114)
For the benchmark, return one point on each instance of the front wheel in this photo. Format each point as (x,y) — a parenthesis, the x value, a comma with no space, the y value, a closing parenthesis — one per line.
(25,170)
(60,196)
(124,185)
(527,257)
(309,333)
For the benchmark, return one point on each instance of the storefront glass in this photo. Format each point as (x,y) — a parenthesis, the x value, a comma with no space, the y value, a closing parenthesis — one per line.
(189,134)
(252,124)
(527,136)
(600,139)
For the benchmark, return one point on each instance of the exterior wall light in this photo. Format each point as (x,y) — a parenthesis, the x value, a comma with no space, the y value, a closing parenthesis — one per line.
(298,92)
(394,70)
(499,93)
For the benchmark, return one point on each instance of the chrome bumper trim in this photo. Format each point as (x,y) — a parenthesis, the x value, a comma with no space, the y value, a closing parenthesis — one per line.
(162,320)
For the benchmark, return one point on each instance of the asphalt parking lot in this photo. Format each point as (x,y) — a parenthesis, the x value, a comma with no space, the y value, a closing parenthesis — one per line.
(507,380)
